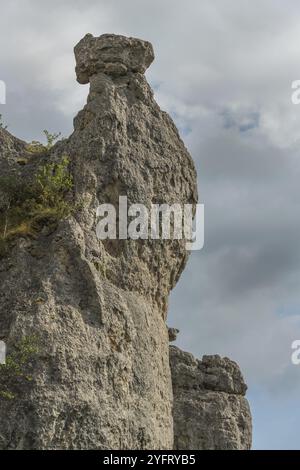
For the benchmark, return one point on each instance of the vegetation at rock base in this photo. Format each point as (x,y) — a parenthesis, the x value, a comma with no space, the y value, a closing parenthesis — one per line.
(36,147)
(17,366)
(25,207)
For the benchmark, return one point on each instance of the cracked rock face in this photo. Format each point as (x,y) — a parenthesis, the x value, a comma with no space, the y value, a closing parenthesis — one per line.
(210,408)
(101,378)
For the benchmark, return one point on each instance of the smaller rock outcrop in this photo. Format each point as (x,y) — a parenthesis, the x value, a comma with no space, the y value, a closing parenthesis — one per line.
(210,409)
(173,332)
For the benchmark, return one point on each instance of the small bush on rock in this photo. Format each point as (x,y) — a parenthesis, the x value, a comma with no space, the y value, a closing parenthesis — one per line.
(26,207)
(16,368)
(37,147)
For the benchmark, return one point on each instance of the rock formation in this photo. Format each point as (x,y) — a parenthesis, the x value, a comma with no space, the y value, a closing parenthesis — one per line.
(210,408)
(101,377)
(173,332)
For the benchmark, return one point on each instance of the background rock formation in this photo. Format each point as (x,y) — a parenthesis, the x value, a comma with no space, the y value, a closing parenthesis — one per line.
(210,408)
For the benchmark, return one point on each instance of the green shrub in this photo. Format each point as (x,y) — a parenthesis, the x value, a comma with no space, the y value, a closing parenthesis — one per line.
(37,147)
(16,368)
(54,180)
(27,207)
(51,138)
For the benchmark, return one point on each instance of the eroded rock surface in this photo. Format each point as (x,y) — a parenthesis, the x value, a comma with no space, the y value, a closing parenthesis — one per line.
(101,378)
(111,54)
(210,408)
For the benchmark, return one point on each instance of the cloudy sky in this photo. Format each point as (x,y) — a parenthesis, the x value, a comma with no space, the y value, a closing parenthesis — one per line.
(224,70)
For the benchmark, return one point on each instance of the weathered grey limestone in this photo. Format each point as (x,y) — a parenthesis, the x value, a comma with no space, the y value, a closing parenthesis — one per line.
(101,379)
(210,408)
(111,54)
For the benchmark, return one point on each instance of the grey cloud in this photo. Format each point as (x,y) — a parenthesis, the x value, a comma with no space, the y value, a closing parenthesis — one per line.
(224,70)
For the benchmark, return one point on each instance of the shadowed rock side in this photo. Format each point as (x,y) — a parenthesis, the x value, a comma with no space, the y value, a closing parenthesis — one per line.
(101,378)
(210,408)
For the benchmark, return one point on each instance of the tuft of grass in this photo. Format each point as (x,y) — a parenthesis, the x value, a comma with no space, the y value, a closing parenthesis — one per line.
(27,207)
(6,395)
(24,229)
